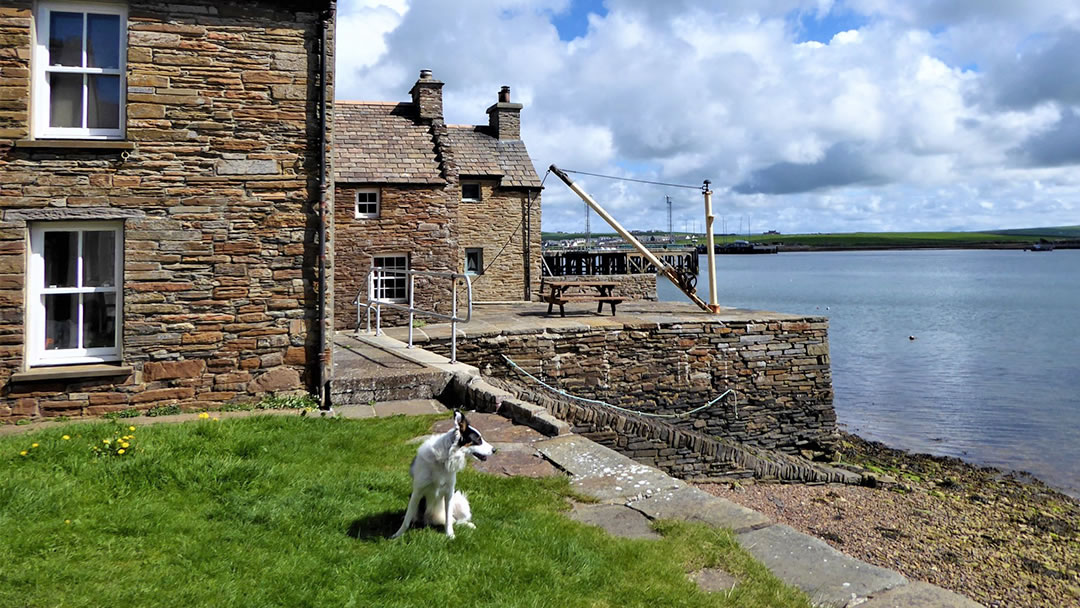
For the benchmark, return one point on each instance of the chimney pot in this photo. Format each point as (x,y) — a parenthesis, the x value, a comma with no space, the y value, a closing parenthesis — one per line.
(425,74)
(504,95)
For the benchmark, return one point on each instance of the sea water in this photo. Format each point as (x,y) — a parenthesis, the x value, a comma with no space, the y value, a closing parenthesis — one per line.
(966,353)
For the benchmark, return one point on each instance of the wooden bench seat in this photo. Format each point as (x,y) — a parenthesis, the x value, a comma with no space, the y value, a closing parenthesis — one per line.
(562,300)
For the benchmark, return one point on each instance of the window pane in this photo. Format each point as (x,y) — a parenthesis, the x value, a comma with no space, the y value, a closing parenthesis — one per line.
(99,258)
(61,315)
(103,111)
(99,320)
(65,103)
(60,250)
(103,41)
(65,39)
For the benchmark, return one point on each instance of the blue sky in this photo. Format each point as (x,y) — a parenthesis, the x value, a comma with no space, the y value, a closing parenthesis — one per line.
(808,115)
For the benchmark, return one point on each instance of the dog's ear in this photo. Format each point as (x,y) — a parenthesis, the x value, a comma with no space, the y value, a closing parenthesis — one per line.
(460,422)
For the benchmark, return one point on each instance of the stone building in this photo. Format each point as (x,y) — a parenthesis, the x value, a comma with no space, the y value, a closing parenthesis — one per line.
(160,205)
(415,193)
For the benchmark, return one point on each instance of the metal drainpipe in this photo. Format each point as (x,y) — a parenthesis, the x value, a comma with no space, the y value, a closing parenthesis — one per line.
(323,380)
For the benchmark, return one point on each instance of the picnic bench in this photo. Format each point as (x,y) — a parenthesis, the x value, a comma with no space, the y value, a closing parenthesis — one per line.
(562,292)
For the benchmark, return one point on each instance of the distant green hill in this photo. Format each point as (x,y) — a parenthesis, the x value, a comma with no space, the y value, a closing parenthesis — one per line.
(884,240)
(1067,232)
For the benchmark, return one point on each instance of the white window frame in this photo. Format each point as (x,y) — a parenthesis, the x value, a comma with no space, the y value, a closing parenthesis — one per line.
(36,353)
(387,282)
(480,260)
(42,95)
(479,192)
(378,203)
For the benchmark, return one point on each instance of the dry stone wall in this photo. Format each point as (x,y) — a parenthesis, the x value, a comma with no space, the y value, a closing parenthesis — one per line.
(495,224)
(778,370)
(216,194)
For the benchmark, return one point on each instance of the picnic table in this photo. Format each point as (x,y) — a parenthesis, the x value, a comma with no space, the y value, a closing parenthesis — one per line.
(561,292)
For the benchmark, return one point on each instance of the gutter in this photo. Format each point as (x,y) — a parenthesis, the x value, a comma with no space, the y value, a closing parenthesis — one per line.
(323,381)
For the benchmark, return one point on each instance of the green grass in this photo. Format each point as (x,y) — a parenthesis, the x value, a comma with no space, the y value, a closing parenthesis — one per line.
(291,511)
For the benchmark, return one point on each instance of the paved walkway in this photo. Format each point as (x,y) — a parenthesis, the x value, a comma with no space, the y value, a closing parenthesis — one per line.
(629,494)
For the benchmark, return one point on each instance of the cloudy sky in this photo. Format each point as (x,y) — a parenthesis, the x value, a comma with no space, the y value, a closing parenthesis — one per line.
(806,115)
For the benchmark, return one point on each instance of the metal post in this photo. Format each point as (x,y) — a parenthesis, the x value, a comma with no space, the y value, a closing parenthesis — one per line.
(453,323)
(378,307)
(412,307)
(709,217)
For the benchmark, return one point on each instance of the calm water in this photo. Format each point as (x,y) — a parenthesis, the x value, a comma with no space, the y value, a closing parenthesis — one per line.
(993,375)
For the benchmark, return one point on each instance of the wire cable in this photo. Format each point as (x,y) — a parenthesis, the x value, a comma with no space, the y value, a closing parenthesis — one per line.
(631,179)
(623,409)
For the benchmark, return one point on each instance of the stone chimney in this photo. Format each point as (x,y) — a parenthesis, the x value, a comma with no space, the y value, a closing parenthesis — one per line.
(427,97)
(504,118)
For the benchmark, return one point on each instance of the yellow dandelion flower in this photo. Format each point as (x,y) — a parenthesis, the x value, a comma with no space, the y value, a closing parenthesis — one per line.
(203,416)
(23,453)
(217,419)
(131,428)
(120,451)
(67,521)
(106,441)
(124,445)
(33,445)
(66,437)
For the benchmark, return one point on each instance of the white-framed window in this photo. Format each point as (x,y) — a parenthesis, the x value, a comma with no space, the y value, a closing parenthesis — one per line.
(79,62)
(73,289)
(474,260)
(470,192)
(367,203)
(392,284)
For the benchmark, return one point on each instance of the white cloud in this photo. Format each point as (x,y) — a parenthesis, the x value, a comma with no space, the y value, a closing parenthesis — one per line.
(894,125)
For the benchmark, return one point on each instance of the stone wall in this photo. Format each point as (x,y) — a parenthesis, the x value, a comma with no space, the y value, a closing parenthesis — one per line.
(630,286)
(216,195)
(495,224)
(414,220)
(778,368)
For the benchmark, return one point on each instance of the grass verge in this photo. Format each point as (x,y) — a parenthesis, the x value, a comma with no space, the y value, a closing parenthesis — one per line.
(289,511)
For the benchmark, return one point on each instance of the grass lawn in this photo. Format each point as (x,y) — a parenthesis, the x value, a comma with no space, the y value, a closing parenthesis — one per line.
(290,511)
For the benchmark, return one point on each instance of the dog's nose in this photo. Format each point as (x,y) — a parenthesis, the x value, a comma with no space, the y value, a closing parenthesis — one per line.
(494,449)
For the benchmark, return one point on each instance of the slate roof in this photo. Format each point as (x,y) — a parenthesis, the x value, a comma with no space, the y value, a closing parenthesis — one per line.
(381,143)
(478,154)
(378,142)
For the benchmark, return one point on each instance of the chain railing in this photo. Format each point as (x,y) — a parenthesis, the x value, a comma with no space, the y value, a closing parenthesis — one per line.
(376,299)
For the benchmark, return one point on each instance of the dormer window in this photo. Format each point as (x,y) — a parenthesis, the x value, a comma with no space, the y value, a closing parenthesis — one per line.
(470,192)
(79,63)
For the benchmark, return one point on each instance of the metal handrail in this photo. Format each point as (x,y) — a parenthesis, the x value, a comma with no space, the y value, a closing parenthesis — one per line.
(377,304)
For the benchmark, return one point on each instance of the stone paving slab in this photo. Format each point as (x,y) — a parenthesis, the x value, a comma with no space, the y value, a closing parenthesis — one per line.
(355,411)
(714,580)
(919,595)
(616,520)
(691,504)
(410,407)
(603,473)
(828,576)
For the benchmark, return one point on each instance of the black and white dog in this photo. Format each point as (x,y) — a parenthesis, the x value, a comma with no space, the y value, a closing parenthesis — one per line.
(434,474)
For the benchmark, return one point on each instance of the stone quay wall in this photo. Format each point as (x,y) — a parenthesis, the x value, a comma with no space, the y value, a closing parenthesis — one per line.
(777,366)
(217,196)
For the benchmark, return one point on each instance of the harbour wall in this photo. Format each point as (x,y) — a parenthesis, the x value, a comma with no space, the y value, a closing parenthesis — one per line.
(777,367)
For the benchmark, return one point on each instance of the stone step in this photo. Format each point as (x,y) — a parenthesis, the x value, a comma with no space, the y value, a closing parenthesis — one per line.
(383,387)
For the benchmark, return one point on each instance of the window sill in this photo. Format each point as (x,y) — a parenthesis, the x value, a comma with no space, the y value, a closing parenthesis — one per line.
(66,372)
(77,144)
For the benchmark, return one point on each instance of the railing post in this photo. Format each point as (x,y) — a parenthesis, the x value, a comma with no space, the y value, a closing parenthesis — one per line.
(412,306)
(453,321)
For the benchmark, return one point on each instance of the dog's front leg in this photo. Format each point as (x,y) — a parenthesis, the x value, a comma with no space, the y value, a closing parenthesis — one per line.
(410,512)
(448,500)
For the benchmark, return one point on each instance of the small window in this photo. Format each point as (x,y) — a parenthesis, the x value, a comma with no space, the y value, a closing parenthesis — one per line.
(391,283)
(74,292)
(470,192)
(367,203)
(79,67)
(474,261)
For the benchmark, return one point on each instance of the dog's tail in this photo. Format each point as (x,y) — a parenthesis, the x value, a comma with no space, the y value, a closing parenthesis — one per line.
(459,509)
